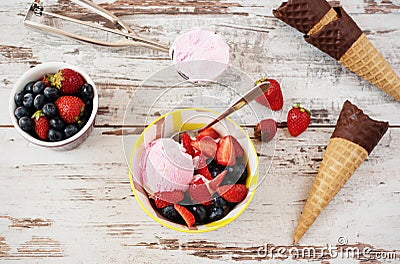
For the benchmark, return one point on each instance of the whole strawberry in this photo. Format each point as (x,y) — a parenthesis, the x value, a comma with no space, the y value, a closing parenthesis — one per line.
(70,108)
(67,80)
(273,97)
(298,120)
(265,130)
(41,125)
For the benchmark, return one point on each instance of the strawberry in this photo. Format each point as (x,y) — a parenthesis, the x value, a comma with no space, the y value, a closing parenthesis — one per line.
(298,120)
(233,193)
(202,168)
(47,79)
(199,191)
(160,203)
(70,108)
(186,142)
(273,97)
(238,148)
(206,145)
(208,132)
(186,214)
(217,180)
(41,124)
(226,152)
(163,199)
(265,130)
(68,81)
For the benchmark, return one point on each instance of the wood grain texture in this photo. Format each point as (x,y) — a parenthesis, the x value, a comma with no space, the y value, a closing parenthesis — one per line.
(73,204)
(77,206)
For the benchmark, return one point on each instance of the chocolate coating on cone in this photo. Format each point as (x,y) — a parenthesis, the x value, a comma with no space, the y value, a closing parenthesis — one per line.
(358,127)
(302,14)
(336,37)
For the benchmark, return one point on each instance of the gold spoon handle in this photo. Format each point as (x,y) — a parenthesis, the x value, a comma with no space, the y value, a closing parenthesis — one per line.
(255,92)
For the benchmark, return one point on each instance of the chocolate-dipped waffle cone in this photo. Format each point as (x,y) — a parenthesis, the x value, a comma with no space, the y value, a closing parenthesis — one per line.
(343,40)
(341,159)
(304,15)
(355,136)
(330,16)
(366,61)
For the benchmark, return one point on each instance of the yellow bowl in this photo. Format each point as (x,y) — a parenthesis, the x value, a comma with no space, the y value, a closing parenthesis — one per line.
(184,119)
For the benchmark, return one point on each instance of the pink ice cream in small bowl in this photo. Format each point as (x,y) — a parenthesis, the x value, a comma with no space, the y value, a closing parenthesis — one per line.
(189,185)
(203,46)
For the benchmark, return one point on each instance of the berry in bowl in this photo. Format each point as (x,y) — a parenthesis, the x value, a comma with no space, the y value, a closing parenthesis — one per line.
(196,184)
(54,105)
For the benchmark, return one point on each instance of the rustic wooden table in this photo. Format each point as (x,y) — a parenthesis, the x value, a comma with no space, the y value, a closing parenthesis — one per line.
(78,207)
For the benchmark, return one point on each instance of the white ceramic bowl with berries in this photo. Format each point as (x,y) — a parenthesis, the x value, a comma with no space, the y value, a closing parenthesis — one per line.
(219,184)
(54,105)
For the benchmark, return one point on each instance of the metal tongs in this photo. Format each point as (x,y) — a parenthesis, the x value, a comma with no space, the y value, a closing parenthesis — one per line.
(131,38)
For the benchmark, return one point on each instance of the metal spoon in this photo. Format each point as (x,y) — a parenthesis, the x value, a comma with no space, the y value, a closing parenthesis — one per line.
(255,92)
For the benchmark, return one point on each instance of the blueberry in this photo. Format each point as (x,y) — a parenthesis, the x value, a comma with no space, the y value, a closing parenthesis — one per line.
(218,201)
(25,124)
(54,135)
(57,123)
(214,167)
(82,122)
(229,180)
(50,110)
(38,87)
(70,130)
(27,101)
(39,101)
(234,173)
(216,213)
(28,87)
(87,91)
(199,211)
(243,177)
(19,97)
(21,111)
(88,111)
(170,213)
(51,93)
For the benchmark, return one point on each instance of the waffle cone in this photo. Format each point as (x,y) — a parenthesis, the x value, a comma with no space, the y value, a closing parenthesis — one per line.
(342,157)
(330,16)
(364,59)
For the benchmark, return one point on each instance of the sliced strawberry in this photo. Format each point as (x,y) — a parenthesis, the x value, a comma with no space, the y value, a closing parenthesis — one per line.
(160,203)
(233,193)
(202,168)
(168,198)
(238,148)
(199,191)
(208,132)
(186,214)
(186,142)
(217,180)
(206,145)
(226,151)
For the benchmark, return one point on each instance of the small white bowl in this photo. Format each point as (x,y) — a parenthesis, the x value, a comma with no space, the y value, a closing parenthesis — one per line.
(37,73)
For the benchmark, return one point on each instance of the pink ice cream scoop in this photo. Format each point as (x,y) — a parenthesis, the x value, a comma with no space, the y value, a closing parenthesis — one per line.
(200,44)
(166,167)
(200,47)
